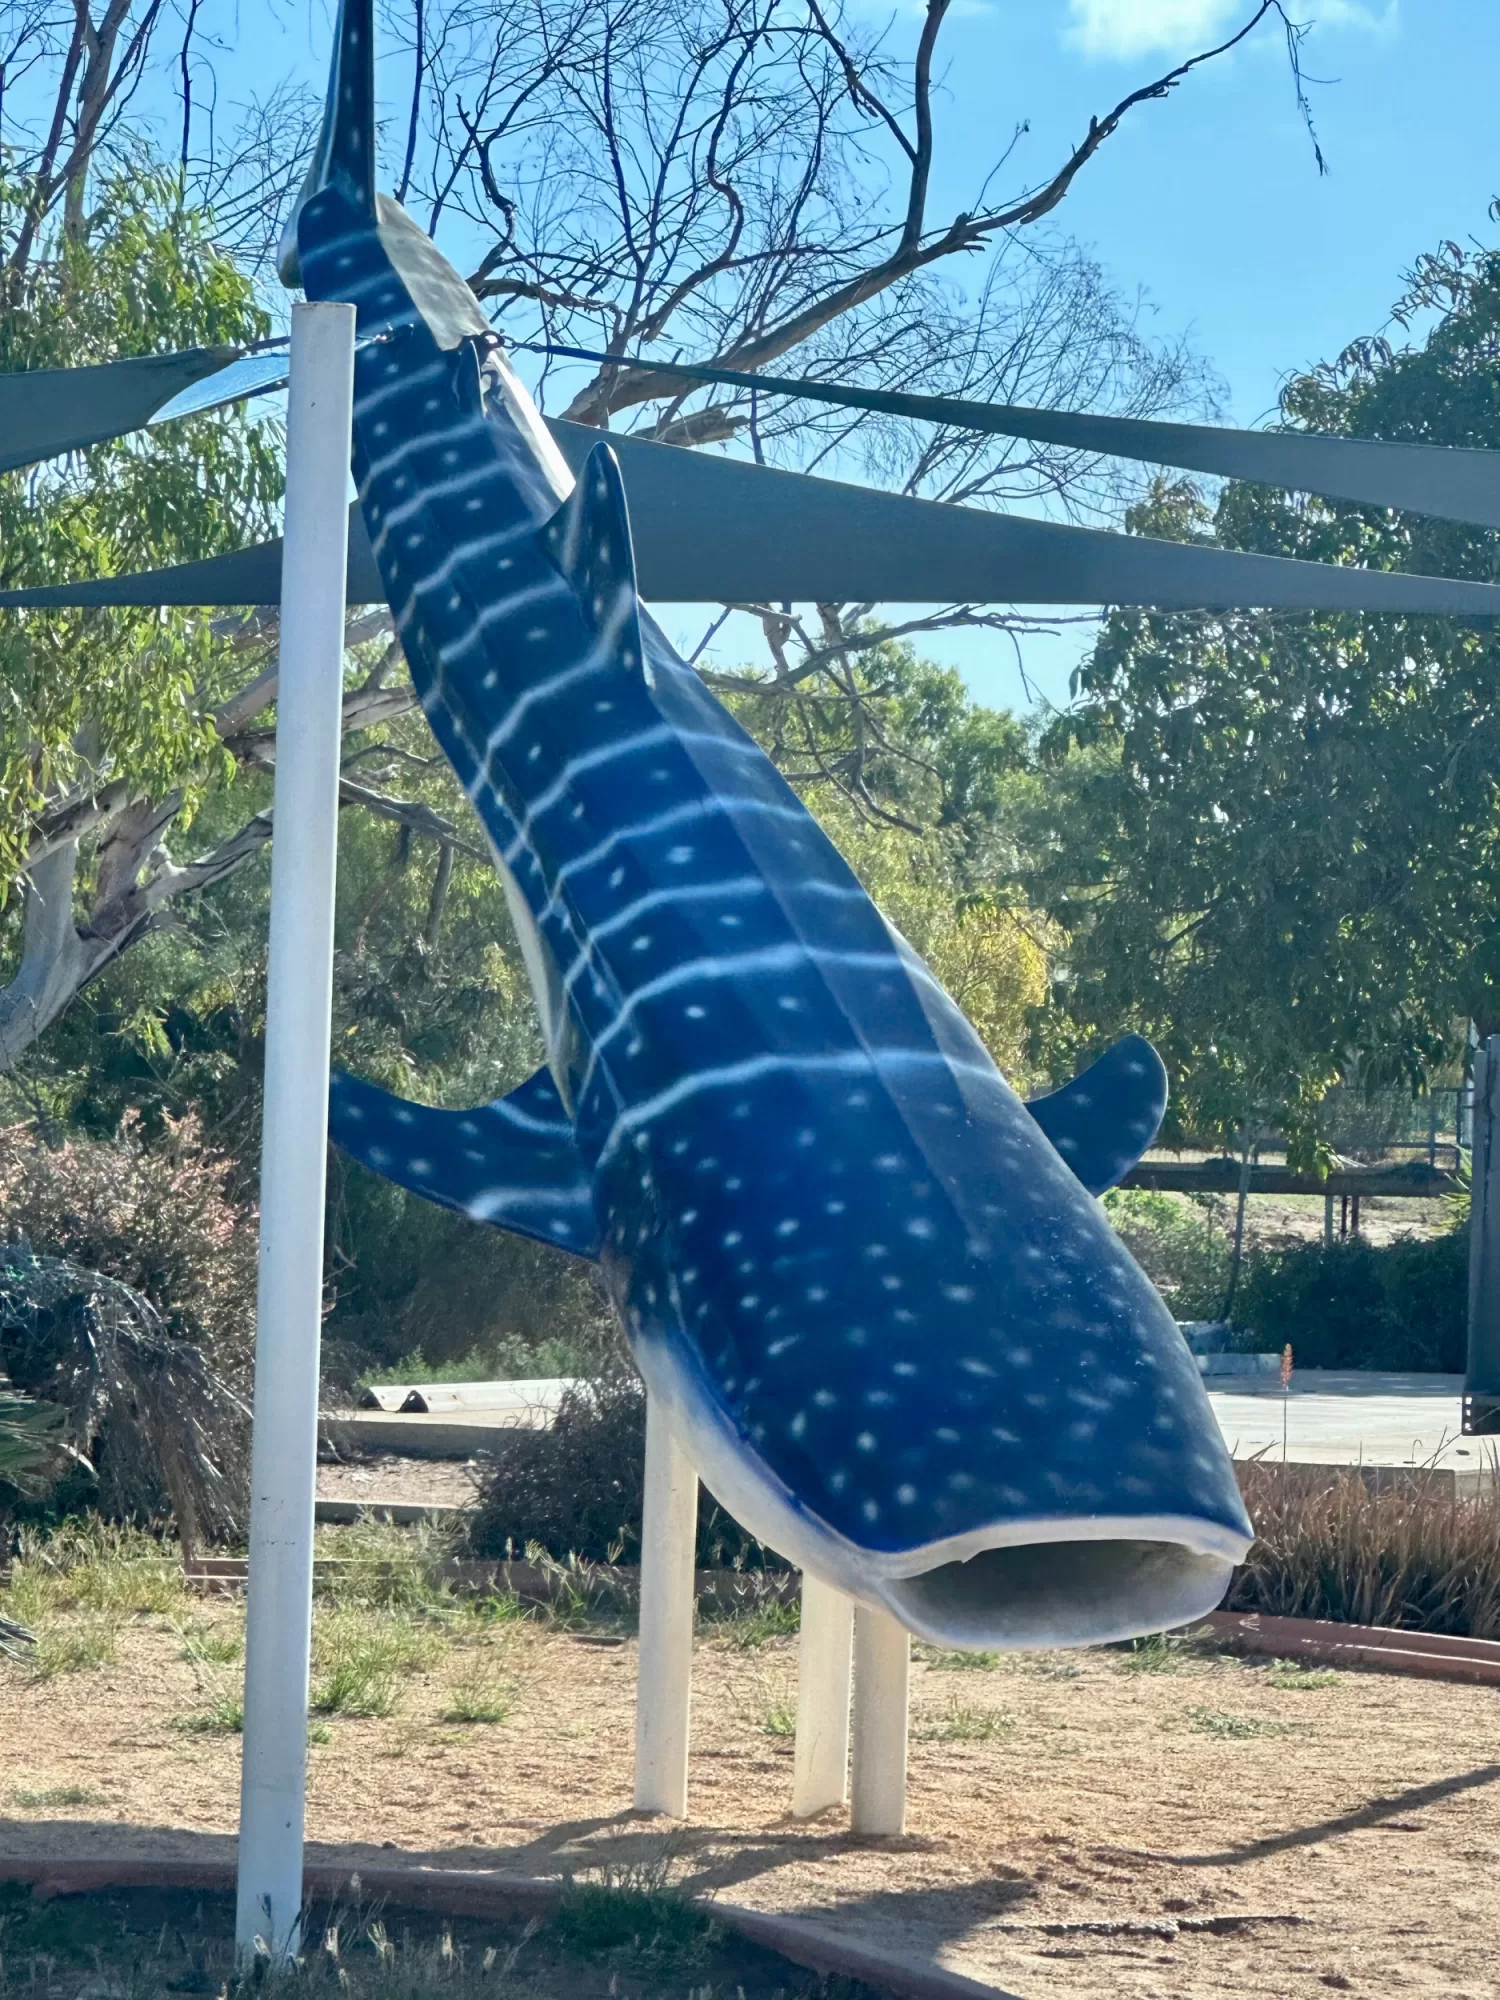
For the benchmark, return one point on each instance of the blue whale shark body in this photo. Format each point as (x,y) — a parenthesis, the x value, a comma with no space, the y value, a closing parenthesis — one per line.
(885,1315)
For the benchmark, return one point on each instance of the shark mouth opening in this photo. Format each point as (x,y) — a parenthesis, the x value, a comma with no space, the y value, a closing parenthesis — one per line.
(1042,1594)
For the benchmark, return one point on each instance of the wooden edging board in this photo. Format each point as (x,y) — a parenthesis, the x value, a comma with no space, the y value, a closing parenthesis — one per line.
(474,1892)
(1427,1655)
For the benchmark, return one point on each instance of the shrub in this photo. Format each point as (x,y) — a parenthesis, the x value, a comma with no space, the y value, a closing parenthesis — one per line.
(1175,1245)
(410,1275)
(156,1216)
(1404,1554)
(576,1489)
(1400,1306)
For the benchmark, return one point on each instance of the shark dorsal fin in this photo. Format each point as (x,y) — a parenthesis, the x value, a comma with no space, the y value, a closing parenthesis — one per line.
(512,1163)
(588,542)
(1104,1120)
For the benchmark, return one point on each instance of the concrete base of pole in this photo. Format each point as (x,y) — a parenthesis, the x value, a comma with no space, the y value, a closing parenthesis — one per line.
(882,1672)
(669,1532)
(825,1655)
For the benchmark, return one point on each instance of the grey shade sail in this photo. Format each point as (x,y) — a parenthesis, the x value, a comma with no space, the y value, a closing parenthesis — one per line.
(1446,481)
(47,411)
(716,530)
(251,375)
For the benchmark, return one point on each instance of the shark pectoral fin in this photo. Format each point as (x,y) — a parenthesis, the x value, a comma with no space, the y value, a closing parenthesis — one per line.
(512,1163)
(1104,1120)
(588,542)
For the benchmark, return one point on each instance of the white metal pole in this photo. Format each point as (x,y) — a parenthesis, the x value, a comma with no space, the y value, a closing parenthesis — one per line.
(825,1653)
(284,1452)
(882,1670)
(669,1533)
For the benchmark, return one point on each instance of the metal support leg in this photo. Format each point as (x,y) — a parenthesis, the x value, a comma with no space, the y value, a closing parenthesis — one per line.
(669,1532)
(882,1669)
(1482,1377)
(825,1654)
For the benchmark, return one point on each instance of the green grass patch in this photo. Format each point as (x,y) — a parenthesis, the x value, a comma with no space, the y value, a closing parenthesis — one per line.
(361,1659)
(956,1662)
(45,1798)
(478,1696)
(780,1717)
(1293,1676)
(1159,1653)
(211,1645)
(74,1648)
(223,1714)
(647,1930)
(1233,1728)
(962,1722)
(753,1626)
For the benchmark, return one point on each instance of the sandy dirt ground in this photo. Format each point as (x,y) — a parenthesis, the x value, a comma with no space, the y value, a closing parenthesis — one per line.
(385,1478)
(1077,1830)
(1277,1221)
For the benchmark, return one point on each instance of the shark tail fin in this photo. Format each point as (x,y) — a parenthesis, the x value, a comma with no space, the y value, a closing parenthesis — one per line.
(512,1163)
(345,153)
(1104,1120)
(588,543)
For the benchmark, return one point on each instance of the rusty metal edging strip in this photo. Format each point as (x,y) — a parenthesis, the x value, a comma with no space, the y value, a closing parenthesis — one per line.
(482,1893)
(1428,1656)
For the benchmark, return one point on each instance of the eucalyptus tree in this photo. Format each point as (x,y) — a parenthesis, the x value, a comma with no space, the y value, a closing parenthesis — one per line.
(738,179)
(1275,839)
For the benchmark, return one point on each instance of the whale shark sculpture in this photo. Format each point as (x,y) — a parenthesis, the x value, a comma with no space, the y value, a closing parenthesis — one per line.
(881,1308)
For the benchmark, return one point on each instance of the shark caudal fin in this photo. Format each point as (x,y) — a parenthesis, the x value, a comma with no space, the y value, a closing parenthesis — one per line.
(345,154)
(512,1163)
(1104,1120)
(588,543)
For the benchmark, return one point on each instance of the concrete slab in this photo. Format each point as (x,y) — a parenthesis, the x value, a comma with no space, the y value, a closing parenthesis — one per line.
(1332,1419)
(431,1433)
(416,1398)
(1369,1419)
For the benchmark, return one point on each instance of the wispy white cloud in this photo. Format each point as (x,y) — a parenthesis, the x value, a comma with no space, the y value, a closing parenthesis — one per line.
(1114,29)
(1118,28)
(1383,21)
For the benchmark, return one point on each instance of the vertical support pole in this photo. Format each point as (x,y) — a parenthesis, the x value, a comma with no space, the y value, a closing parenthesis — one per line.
(669,1534)
(1328,1222)
(825,1656)
(284,1451)
(1482,1377)
(882,1671)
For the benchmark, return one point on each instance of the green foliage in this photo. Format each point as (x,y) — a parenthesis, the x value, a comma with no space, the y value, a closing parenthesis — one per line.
(104,694)
(1156,1653)
(223,1714)
(1232,1728)
(1273,838)
(634,1918)
(1177,1247)
(1292,1678)
(962,1722)
(1399,1306)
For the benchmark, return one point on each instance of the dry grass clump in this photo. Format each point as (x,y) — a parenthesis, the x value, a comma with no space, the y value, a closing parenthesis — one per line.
(1402,1554)
(576,1489)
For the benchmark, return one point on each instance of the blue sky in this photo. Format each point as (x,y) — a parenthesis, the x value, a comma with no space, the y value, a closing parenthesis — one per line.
(1209,205)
